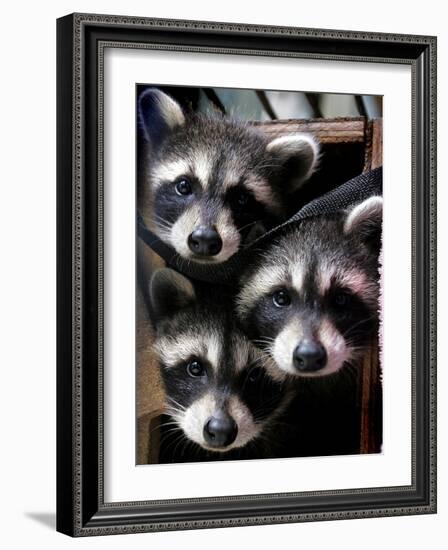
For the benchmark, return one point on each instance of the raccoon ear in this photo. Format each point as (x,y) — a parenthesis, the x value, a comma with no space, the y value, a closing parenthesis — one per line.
(365,220)
(298,155)
(159,114)
(169,292)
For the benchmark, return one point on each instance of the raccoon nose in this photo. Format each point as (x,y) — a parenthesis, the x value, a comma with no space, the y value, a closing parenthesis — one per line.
(205,241)
(220,430)
(309,356)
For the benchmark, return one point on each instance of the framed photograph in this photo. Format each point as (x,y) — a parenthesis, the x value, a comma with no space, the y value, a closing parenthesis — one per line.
(246,275)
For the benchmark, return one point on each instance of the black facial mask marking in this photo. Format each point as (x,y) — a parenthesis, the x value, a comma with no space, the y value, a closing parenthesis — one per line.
(246,210)
(347,311)
(183,388)
(170,205)
(261,394)
(351,316)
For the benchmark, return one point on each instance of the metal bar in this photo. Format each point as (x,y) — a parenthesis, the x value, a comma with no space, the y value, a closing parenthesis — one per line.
(360,105)
(266,104)
(313,100)
(213,97)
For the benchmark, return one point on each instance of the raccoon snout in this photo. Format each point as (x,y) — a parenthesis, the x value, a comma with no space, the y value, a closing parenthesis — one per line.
(205,241)
(220,430)
(309,355)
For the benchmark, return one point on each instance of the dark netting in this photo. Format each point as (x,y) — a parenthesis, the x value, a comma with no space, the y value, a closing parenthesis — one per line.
(351,192)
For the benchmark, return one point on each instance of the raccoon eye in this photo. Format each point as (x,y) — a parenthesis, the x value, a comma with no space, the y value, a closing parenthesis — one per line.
(341,298)
(281,298)
(183,187)
(254,375)
(195,369)
(242,198)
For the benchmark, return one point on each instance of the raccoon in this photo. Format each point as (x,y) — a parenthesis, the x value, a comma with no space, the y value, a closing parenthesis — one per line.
(212,184)
(311,301)
(219,392)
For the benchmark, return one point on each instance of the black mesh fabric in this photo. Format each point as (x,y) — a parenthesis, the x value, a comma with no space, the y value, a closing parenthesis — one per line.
(351,192)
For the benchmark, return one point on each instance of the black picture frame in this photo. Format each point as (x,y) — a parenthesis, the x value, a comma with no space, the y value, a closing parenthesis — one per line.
(81,510)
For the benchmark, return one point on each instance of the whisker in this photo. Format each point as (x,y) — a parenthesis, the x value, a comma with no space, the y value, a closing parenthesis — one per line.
(358,324)
(247,225)
(172,401)
(163,425)
(175,442)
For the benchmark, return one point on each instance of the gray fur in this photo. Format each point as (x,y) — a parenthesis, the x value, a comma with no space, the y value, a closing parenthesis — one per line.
(203,330)
(316,262)
(222,159)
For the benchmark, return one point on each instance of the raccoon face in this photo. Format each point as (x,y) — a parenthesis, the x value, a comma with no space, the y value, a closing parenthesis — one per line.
(219,391)
(312,302)
(216,184)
